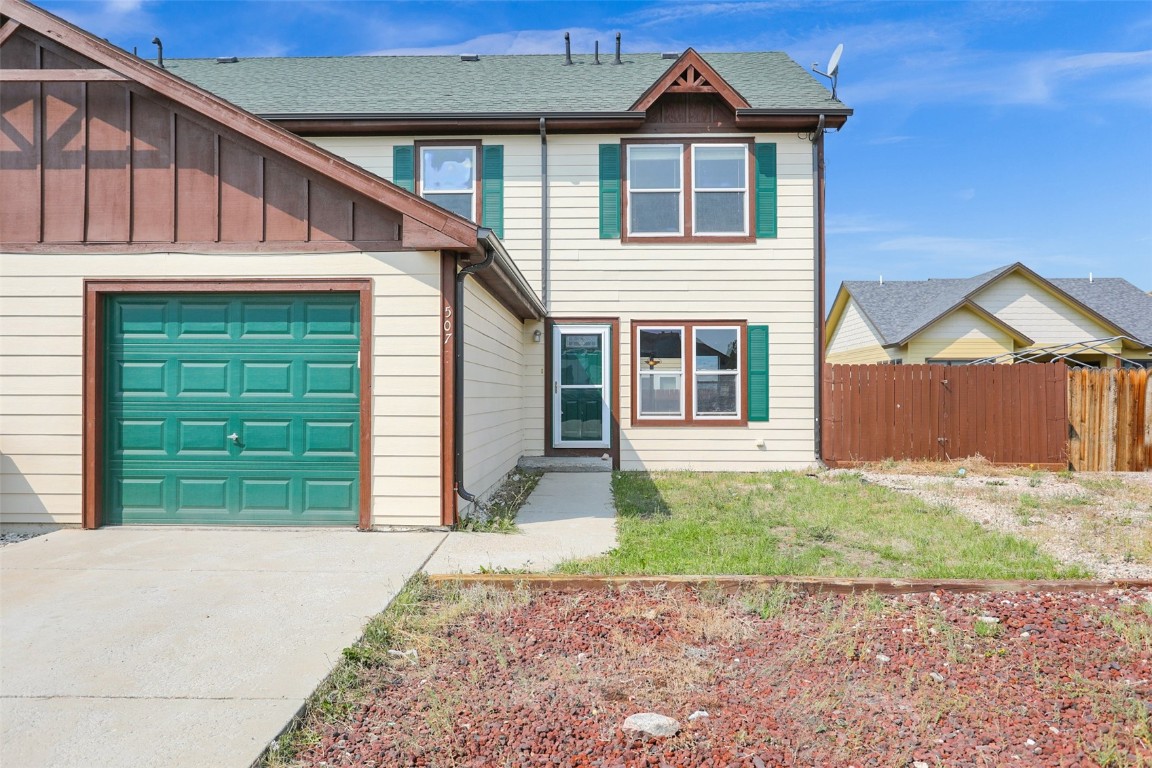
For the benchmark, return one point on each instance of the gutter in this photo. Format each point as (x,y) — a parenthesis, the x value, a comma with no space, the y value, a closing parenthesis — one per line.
(496,259)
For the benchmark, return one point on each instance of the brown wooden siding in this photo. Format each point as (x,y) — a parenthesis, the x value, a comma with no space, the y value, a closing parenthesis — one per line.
(112,164)
(689,113)
(1009,414)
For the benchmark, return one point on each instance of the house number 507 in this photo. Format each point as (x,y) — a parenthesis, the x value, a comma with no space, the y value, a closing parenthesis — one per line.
(447,324)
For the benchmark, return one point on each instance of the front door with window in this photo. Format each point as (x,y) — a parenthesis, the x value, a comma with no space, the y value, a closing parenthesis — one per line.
(581,379)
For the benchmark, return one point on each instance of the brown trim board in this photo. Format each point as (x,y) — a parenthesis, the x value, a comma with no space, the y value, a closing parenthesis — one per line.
(447,379)
(93,365)
(614,381)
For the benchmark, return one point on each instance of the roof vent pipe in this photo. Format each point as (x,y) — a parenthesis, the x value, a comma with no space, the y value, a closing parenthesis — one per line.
(617,50)
(567,50)
(596,60)
(159,52)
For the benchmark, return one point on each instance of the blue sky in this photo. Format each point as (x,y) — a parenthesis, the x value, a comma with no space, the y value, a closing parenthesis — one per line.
(984,133)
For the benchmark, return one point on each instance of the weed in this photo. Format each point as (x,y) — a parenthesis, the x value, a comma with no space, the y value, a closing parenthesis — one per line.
(989,629)
(1133,624)
(498,513)
(1035,479)
(768,604)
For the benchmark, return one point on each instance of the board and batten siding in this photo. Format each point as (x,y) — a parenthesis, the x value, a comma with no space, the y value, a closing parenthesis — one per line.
(493,390)
(768,282)
(962,335)
(856,340)
(41,325)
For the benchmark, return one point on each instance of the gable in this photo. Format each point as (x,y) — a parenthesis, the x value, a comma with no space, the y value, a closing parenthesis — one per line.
(1038,312)
(103,149)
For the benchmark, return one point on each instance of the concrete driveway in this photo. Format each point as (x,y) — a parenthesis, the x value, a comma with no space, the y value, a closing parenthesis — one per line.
(179,647)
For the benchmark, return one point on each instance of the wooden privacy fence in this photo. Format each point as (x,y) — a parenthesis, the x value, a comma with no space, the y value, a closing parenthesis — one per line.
(1009,414)
(1110,420)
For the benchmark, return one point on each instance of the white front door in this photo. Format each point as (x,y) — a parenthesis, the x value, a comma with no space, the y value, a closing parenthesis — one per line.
(581,381)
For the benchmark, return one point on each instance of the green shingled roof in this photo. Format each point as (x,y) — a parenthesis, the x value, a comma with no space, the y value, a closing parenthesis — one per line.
(532,84)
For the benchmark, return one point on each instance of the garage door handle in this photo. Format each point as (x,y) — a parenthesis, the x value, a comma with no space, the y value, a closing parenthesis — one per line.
(234,438)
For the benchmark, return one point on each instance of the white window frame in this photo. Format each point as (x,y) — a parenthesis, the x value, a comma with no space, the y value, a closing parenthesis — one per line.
(696,372)
(679,146)
(475,175)
(695,190)
(640,372)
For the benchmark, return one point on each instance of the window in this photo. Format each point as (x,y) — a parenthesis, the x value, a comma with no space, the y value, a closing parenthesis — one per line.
(689,373)
(448,177)
(682,191)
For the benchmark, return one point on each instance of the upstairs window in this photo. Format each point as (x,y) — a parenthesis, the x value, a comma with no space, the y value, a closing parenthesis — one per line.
(682,191)
(448,178)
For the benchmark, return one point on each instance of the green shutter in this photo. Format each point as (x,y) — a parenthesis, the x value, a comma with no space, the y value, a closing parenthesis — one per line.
(492,188)
(765,190)
(757,373)
(609,191)
(404,167)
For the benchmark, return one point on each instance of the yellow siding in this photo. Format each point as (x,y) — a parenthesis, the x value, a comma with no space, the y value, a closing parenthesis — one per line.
(1037,313)
(962,335)
(767,282)
(855,340)
(493,390)
(41,371)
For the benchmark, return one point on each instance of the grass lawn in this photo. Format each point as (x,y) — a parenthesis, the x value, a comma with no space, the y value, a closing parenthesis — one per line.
(787,523)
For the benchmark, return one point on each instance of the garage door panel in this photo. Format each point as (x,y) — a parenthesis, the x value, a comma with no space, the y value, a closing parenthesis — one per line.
(186,373)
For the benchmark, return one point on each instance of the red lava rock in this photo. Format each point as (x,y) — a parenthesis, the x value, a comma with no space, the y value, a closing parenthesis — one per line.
(800,689)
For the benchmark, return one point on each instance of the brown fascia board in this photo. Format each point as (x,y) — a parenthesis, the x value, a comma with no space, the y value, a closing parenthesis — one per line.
(792,119)
(457,232)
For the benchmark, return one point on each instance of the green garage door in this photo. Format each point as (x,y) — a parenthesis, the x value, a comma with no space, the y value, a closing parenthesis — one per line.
(226,409)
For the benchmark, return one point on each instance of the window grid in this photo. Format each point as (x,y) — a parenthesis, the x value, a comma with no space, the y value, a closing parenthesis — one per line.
(690,374)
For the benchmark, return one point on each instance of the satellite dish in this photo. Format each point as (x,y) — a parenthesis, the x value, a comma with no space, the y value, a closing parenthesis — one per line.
(833,67)
(834,62)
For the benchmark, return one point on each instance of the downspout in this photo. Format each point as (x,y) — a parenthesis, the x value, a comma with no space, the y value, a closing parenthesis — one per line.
(818,286)
(544,221)
(458,372)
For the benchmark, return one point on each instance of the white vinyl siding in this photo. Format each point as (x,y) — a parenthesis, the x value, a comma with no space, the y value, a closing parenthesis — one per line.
(41,324)
(493,390)
(767,282)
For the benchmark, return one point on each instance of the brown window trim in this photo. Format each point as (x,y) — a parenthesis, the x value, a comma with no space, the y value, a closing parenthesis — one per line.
(92,441)
(686,177)
(689,372)
(478,198)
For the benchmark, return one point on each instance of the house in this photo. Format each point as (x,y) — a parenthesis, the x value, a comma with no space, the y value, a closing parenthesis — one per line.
(1006,315)
(358,290)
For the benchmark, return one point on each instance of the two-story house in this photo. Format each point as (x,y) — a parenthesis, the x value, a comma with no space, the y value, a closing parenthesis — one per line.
(358,290)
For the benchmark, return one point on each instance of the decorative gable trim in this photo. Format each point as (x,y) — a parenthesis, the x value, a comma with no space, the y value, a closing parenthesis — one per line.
(691,74)
(439,230)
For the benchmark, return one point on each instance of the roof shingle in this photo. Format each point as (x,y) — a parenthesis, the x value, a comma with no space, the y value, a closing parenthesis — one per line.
(519,84)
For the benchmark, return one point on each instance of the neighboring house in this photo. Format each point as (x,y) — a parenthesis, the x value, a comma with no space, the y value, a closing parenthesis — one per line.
(1006,315)
(207,319)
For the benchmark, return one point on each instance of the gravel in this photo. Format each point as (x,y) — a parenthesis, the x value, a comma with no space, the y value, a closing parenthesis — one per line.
(506,687)
(1100,521)
(7,537)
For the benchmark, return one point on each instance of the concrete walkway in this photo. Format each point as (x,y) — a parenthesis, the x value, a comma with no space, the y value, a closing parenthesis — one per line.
(568,515)
(137,647)
(148,647)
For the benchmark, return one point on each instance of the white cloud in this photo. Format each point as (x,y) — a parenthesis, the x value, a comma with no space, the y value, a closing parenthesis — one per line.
(549,41)
(109,18)
(966,194)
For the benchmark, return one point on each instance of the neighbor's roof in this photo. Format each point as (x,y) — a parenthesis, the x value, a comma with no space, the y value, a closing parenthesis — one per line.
(532,84)
(898,309)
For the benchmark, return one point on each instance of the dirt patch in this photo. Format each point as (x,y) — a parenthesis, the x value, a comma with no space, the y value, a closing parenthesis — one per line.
(1101,521)
(940,679)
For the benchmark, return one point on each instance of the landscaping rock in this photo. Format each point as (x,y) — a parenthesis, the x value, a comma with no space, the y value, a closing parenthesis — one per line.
(651,724)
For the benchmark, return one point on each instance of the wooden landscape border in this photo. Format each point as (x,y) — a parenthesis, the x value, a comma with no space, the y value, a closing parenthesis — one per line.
(803,584)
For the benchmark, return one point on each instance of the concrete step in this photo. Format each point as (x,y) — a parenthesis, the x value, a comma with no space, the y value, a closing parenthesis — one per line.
(566,463)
